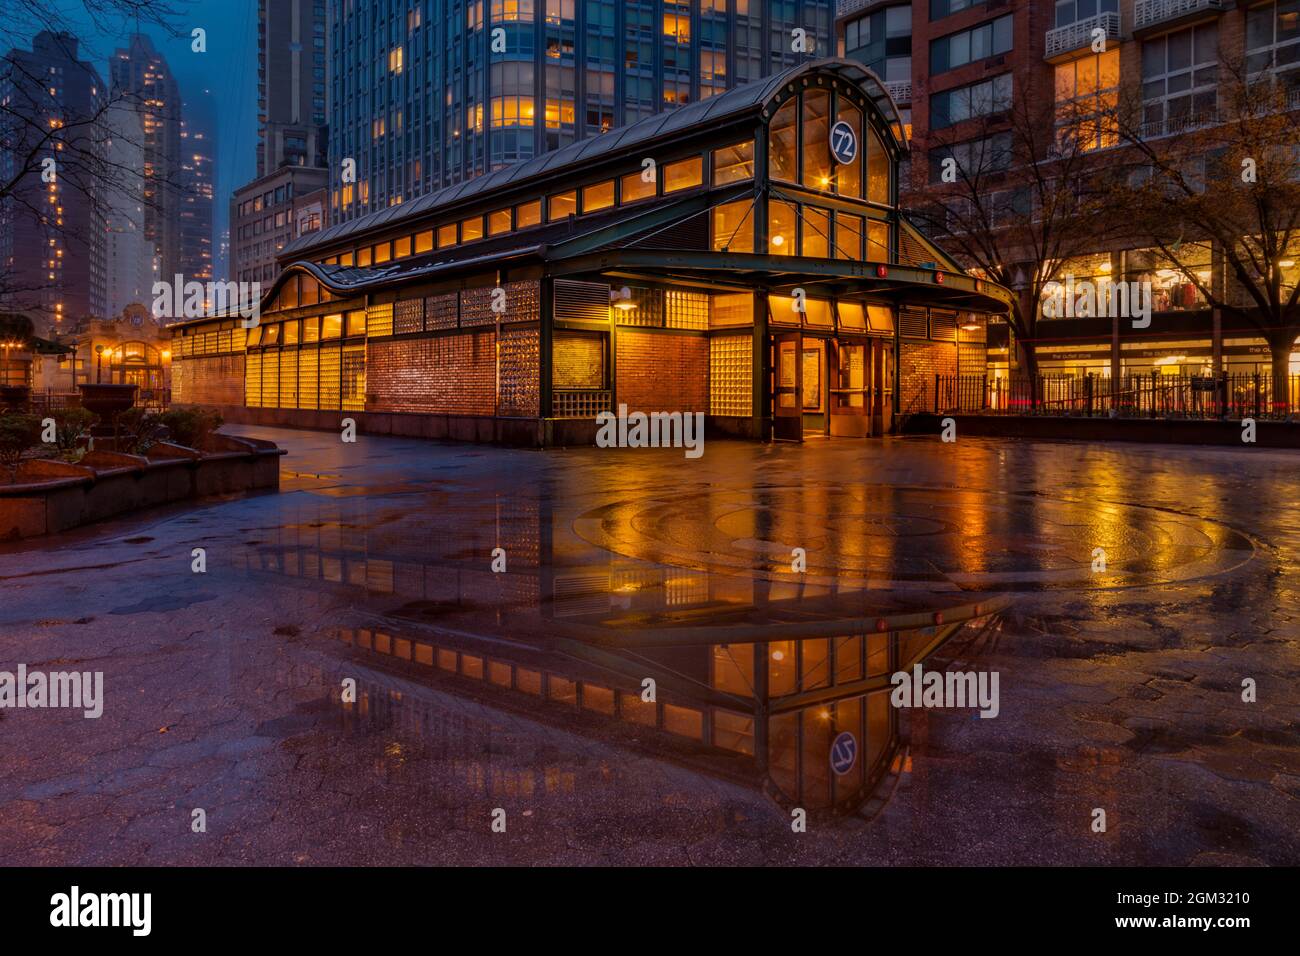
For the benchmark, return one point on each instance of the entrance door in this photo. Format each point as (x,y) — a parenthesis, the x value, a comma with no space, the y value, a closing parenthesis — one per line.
(812,387)
(849,390)
(787,387)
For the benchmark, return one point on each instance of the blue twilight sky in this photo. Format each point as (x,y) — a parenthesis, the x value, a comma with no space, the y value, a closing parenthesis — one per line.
(228,70)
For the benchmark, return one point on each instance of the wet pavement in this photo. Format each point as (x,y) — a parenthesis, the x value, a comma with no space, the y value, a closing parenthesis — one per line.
(1121,689)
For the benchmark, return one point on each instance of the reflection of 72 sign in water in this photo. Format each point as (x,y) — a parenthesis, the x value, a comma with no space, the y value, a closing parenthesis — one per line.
(844,143)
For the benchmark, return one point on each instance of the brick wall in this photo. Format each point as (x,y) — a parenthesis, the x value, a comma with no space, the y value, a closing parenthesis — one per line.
(209,380)
(451,374)
(918,364)
(659,372)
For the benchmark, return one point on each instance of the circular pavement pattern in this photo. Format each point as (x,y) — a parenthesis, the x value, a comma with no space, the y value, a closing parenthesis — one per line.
(901,537)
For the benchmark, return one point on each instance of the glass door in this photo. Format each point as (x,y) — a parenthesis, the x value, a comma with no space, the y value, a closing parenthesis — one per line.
(787,387)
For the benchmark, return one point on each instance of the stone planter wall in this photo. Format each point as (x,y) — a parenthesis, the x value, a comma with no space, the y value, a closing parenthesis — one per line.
(53,496)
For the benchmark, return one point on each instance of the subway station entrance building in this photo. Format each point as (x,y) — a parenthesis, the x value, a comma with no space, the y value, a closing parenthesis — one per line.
(743,256)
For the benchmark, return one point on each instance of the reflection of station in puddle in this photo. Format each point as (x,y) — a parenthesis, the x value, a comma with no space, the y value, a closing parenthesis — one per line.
(756,678)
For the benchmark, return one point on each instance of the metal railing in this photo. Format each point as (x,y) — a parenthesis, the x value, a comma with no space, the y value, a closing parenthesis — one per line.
(1148,13)
(1229,395)
(1075,36)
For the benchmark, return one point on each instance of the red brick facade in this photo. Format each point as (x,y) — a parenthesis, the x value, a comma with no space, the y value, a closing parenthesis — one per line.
(918,363)
(448,374)
(209,380)
(662,372)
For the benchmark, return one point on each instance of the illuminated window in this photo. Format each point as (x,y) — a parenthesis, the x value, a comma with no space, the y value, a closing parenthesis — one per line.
(1087,94)
(781,217)
(848,236)
(402,247)
(498,222)
(346,259)
(331,326)
(447,235)
(848,176)
(357,322)
(423,241)
(816,143)
(363,257)
(677,26)
(733,164)
(383,252)
(598,196)
(634,186)
(877,241)
(684,174)
(528,214)
(733,226)
(782,161)
(291,331)
(561,205)
(395,60)
(877,170)
(471,229)
(816,239)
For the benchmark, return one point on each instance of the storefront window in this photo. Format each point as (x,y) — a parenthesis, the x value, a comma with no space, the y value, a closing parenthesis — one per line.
(782,161)
(1072,274)
(733,226)
(733,164)
(781,218)
(1172,285)
(816,143)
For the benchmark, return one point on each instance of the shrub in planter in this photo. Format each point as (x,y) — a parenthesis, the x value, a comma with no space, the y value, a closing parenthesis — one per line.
(139,429)
(18,433)
(72,427)
(191,426)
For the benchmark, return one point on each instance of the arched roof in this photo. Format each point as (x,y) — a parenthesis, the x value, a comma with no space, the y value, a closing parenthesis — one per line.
(751,97)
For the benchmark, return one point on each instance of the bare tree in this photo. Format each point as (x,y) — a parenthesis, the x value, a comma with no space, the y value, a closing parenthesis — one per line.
(1229,179)
(78,142)
(1014,194)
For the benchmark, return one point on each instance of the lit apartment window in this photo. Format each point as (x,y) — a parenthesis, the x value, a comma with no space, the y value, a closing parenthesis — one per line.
(1087,94)
(395,61)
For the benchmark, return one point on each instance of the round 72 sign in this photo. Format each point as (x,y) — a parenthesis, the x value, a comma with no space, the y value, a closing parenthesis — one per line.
(844,143)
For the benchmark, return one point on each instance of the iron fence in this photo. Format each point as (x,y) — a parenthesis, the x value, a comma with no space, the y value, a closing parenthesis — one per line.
(1233,395)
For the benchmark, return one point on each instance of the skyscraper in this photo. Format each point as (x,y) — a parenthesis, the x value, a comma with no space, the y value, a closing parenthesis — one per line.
(425,95)
(278,205)
(52,221)
(198,153)
(131,261)
(140,72)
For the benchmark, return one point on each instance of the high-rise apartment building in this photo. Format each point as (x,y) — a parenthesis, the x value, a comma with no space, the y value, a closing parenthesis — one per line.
(291,88)
(131,261)
(958,69)
(429,94)
(52,250)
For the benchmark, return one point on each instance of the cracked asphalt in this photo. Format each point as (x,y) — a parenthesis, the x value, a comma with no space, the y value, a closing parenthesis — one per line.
(1121,690)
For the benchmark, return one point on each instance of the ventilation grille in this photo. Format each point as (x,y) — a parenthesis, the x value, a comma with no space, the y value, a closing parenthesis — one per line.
(943,326)
(581,301)
(912,323)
